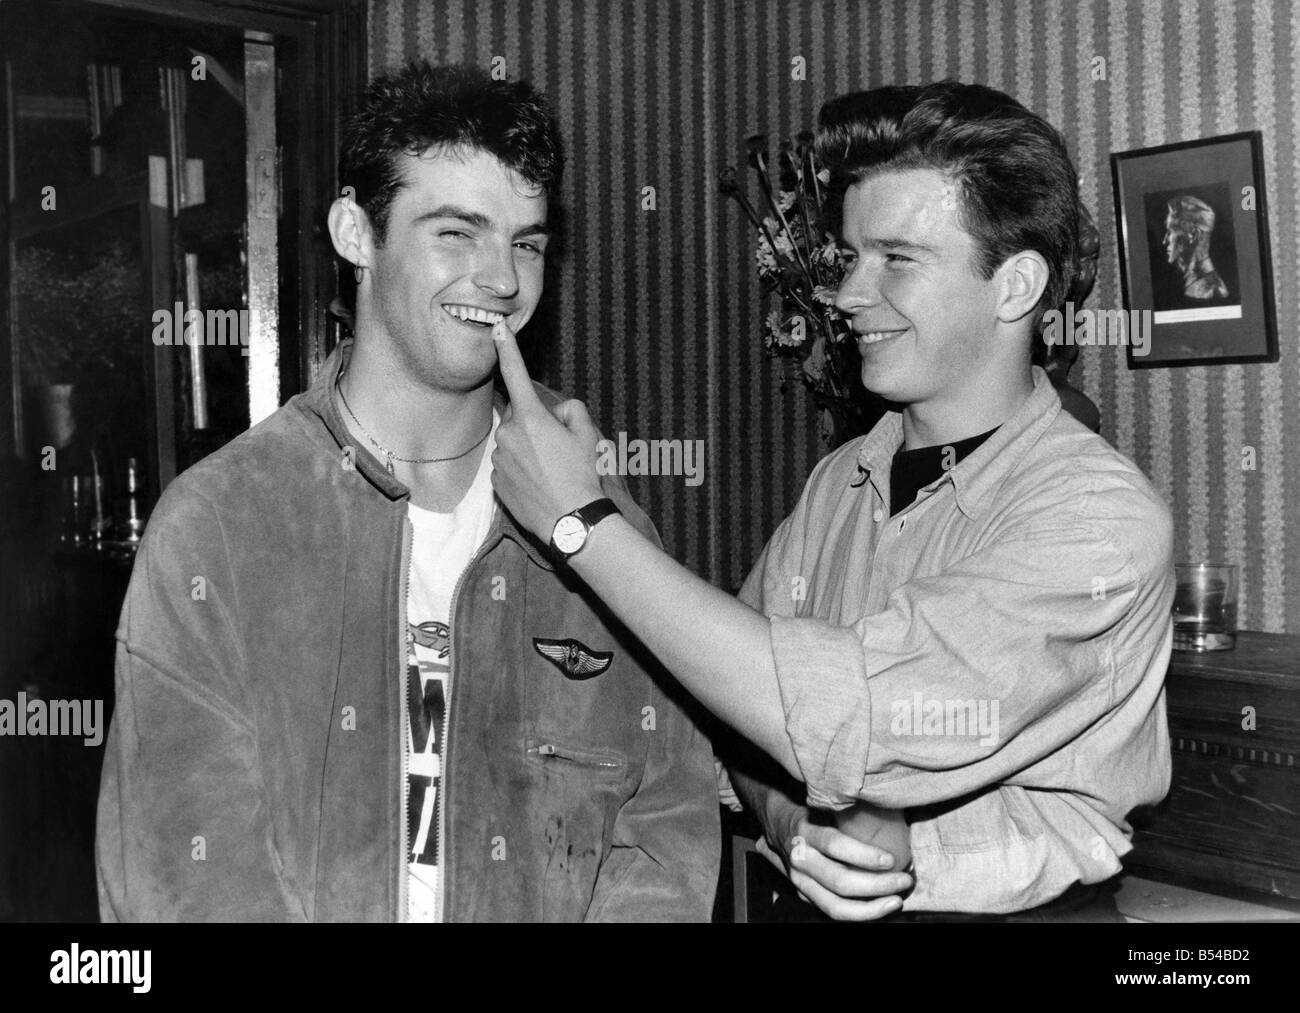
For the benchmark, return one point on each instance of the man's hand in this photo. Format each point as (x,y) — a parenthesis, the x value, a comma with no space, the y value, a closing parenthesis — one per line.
(544,465)
(846,879)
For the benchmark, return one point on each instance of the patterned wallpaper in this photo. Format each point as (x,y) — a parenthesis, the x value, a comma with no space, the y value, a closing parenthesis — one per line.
(658,312)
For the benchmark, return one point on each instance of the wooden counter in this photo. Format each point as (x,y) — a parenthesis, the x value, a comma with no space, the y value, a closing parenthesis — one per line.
(1232,817)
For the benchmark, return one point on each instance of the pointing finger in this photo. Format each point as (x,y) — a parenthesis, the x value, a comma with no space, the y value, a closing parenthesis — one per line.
(513,370)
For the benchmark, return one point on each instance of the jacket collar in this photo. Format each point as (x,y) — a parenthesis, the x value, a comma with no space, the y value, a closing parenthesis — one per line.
(988,466)
(320,401)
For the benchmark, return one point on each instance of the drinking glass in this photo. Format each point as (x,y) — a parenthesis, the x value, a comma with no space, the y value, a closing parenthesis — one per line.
(1205,607)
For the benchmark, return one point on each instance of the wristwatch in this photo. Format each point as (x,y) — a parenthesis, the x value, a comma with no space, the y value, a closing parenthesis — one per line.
(570,532)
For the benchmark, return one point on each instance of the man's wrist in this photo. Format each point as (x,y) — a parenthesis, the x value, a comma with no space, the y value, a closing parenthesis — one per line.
(571,532)
(598,539)
(780,818)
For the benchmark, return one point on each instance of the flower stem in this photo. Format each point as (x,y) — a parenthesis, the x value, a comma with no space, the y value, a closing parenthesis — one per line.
(780,215)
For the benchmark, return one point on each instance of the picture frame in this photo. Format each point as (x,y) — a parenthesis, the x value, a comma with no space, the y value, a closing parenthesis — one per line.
(1194,251)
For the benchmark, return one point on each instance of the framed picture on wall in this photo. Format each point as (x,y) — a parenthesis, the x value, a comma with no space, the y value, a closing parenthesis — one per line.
(1194,252)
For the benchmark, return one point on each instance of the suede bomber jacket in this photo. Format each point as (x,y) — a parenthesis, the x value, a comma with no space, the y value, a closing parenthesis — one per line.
(254,764)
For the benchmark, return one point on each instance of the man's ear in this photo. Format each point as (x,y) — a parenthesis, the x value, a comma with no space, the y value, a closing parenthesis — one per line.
(350,231)
(1022,279)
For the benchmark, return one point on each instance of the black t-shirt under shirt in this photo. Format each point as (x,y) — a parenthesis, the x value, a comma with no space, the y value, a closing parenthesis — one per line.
(913,470)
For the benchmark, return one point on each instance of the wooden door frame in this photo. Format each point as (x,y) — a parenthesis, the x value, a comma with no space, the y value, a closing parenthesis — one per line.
(332,55)
(329,71)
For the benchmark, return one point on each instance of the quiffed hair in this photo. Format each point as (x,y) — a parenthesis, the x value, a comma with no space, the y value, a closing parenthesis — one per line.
(453,107)
(1018,189)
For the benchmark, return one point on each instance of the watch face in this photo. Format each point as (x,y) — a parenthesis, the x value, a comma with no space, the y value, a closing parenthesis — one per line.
(569,534)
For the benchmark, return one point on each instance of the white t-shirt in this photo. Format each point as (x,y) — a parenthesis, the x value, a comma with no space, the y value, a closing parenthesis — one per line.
(443,545)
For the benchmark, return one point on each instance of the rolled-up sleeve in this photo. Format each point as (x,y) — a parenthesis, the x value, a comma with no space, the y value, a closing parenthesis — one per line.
(972,674)
(822,672)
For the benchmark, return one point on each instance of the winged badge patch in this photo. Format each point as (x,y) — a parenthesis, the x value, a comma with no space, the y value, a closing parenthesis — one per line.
(574,659)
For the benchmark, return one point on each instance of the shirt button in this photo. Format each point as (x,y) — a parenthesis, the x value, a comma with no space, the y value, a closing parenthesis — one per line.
(878,516)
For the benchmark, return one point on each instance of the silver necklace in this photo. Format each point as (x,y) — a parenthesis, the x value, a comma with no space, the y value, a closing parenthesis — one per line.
(389,456)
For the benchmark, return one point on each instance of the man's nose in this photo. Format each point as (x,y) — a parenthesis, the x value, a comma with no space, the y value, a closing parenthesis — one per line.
(859,290)
(496,273)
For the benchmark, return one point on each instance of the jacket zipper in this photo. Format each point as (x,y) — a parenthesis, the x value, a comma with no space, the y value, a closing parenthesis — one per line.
(560,753)
(440,900)
(403,728)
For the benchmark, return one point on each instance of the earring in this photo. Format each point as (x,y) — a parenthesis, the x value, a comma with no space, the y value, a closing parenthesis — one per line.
(357,271)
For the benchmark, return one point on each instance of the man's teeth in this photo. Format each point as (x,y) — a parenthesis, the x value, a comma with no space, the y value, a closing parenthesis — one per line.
(871,337)
(474,314)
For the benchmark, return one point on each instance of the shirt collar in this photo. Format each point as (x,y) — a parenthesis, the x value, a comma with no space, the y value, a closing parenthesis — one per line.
(979,474)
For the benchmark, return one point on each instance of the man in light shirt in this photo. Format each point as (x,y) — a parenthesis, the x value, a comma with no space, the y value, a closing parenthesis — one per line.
(966,619)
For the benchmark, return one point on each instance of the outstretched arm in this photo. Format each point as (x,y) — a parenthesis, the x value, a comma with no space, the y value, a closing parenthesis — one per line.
(719,649)
(1057,622)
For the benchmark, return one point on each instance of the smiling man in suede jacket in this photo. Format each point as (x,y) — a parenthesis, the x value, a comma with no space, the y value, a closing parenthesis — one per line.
(349,687)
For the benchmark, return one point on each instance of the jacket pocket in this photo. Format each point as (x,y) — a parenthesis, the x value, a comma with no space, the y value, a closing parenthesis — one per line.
(572,759)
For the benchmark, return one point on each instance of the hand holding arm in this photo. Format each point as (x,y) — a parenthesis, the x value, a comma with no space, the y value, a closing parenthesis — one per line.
(846,879)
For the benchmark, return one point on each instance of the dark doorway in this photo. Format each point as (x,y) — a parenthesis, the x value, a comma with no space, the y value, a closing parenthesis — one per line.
(164,286)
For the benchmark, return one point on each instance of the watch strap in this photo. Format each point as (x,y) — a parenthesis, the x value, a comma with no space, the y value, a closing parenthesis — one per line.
(596,510)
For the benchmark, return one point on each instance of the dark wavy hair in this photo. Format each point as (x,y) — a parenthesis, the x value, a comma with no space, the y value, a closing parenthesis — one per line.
(455,107)
(1018,189)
